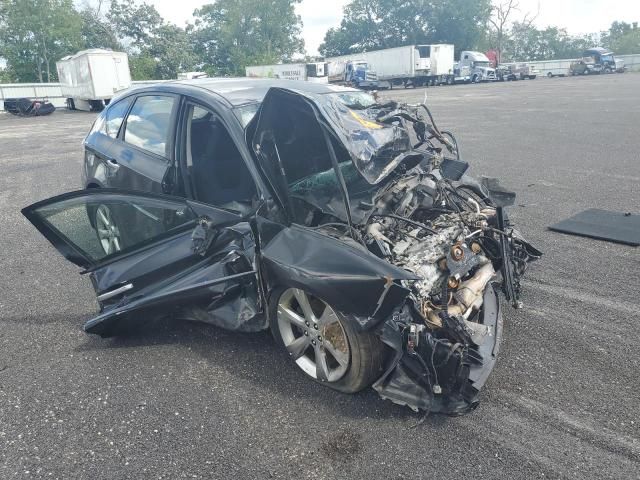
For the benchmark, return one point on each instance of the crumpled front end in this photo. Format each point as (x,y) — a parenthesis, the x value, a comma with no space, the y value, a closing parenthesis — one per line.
(454,235)
(445,337)
(442,239)
(434,372)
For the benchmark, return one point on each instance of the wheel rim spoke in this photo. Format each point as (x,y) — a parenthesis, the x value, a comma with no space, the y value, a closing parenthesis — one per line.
(322,368)
(297,348)
(303,301)
(341,357)
(291,316)
(328,317)
(103,217)
(116,244)
(105,245)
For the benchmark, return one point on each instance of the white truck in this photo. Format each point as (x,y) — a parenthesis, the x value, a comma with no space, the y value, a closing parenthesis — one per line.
(474,67)
(310,72)
(412,65)
(90,78)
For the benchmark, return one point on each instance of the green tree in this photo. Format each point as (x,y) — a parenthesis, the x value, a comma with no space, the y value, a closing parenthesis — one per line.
(229,35)
(622,38)
(34,34)
(157,49)
(135,24)
(526,42)
(462,23)
(375,24)
(97,31)
(172,50)
(142,66)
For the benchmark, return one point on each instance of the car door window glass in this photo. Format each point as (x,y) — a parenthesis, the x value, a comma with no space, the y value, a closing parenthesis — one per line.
(100,225)
(114,117)
(215,167)
(148,123)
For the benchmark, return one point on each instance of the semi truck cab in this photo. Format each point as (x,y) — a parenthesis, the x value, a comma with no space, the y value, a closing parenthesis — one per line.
(603,57)
(358,74)
(479,66)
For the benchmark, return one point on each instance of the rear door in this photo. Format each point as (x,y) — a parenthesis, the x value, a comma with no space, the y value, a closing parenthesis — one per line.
(144,152)
(146,251)
(99,164)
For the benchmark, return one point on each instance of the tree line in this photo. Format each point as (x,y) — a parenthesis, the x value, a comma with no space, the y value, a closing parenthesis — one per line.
(227,35)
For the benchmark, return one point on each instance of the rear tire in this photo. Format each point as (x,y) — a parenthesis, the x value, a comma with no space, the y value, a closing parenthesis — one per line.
(359,355)
(107,230)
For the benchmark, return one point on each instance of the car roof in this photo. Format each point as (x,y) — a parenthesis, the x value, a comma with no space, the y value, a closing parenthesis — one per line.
(240,91)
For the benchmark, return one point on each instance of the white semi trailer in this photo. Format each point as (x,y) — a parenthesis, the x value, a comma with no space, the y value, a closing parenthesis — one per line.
(91,78)
(310,72)
(412,65)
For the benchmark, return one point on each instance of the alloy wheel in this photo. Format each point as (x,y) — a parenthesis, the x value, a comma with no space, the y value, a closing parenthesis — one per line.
(313,335)
(108,232)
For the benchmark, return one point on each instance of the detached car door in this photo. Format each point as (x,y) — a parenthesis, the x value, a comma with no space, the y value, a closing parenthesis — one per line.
(146,252)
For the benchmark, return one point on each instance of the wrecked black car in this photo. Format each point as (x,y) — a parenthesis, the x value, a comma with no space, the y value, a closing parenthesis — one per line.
(347,226)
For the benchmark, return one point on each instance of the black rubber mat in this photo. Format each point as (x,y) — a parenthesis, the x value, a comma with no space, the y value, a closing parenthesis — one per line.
(604,225)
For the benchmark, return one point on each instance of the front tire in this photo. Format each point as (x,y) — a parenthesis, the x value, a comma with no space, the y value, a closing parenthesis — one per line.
(322,343)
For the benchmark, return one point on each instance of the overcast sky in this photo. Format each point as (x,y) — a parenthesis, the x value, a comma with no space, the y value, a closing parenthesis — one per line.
(577,16)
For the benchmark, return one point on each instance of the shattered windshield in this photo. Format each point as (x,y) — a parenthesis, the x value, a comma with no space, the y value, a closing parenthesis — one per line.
(245,113)
(355,99)
(376,149)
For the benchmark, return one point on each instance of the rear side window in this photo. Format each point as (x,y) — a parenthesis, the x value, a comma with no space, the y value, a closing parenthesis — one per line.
(114,117)
(148,123)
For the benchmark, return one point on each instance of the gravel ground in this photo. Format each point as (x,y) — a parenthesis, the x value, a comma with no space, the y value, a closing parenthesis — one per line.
(193,401)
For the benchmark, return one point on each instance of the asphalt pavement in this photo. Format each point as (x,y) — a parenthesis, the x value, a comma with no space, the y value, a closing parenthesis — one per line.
(189,400)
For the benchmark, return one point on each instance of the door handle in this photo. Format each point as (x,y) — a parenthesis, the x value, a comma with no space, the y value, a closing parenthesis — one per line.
(113,293)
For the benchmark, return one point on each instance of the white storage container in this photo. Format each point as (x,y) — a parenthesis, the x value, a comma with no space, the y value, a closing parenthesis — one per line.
(93,75)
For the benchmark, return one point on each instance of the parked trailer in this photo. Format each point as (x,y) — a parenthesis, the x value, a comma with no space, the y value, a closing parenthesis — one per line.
(552,68)
(515,71)
(90,78)
(310,72)
(412,65)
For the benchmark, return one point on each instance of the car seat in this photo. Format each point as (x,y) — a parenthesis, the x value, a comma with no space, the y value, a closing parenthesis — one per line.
(218,174)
